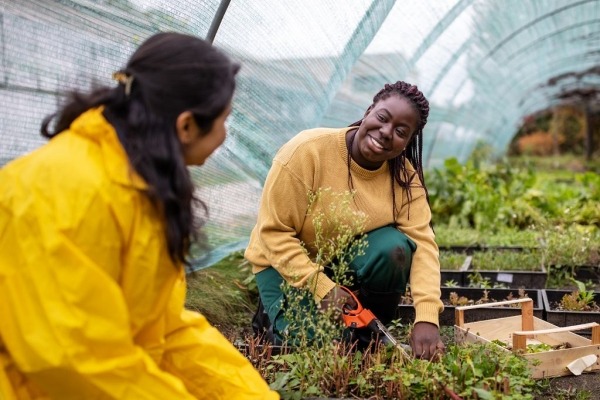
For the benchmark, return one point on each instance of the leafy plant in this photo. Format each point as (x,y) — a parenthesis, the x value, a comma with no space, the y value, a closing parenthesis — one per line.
(470,371)
(532,348)
(329,367)
(457,300)
(506,260)
(570,245)
(476,280)
(454,235)
(581,299)
(491,197)
(483,198)
(452,260)
(451,283)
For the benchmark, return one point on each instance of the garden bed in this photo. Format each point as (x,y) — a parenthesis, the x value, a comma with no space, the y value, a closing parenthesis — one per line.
(507,279)
(562,317)
(523,269)
(470,249)
(465,296)
(550,350)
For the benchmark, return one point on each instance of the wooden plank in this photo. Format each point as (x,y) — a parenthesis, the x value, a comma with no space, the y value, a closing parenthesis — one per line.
(459,317)
(527,314)
(495,304)
(557,329)
(499,328)
(554,363)
(519,342)
(545,364)
(596,335)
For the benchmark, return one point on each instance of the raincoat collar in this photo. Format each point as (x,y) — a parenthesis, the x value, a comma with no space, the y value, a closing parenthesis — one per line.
(92,125)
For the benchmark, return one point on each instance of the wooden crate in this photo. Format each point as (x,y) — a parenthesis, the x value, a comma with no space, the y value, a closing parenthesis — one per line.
(519,331)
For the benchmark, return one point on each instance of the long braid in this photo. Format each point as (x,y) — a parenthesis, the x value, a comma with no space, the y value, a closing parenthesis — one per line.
(414,150)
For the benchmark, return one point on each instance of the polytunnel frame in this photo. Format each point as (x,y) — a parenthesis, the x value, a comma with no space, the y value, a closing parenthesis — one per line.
(216,22)
(452,15)
(433,35)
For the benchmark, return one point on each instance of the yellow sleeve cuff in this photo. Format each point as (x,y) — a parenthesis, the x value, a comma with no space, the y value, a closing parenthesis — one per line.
(320,284)
(428,312)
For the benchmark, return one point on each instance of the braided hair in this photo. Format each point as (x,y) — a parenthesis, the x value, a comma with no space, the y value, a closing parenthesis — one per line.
(413,151)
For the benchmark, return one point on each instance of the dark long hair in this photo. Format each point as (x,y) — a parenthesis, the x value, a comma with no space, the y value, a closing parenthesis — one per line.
(168,74)
(413,151)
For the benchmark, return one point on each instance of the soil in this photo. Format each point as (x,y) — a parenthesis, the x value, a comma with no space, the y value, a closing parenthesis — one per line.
(574,384)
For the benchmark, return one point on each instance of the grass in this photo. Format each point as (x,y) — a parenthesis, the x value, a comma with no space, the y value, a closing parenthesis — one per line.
(225,294)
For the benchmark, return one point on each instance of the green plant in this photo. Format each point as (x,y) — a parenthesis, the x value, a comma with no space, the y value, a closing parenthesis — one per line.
(502,260)
(580,299)
(456,300)
(476,280)
(560,275)
(314,333)
(470,371)
(451,283)
(451,260)
(482,197)
(569,245)
(338,231)
(569,393)
(454,235)
(489,198)
(224,294)
(532,347)
(328,367)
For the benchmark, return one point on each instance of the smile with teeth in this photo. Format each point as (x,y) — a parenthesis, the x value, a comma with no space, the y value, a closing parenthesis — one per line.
(376,143)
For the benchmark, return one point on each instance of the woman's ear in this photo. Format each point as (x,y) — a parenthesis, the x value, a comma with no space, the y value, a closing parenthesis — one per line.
(185,127)
(368,111)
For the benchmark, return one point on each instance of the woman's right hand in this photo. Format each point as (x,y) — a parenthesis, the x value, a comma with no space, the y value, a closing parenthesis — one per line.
(335,300)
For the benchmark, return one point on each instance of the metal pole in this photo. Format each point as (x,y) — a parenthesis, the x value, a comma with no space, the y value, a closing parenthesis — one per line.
(214,26)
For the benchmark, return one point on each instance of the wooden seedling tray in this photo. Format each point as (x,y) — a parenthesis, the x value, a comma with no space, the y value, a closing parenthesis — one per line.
(519,331)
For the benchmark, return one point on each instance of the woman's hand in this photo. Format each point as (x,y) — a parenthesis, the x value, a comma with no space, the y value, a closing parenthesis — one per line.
(425,341)
(335,301)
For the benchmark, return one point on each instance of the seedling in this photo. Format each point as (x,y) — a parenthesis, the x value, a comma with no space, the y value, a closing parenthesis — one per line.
(580,299)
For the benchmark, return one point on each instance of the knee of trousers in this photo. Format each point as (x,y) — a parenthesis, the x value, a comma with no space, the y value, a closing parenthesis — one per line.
(385,266)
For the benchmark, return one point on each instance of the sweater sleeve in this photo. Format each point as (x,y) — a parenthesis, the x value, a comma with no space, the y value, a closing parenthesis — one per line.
(282,213)
(425,278)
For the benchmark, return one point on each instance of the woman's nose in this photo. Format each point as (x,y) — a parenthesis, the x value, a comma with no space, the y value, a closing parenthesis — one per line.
(385,131)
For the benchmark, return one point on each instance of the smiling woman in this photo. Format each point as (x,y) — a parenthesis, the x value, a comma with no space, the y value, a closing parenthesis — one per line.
(381,157)
(384,133)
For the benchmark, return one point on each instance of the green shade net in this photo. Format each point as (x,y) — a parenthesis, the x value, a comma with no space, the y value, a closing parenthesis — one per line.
(484,65)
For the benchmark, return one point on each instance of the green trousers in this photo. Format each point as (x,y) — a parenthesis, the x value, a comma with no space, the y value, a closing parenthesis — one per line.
(380,278)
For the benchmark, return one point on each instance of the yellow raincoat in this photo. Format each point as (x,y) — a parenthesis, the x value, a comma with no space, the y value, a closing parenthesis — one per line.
(91,305)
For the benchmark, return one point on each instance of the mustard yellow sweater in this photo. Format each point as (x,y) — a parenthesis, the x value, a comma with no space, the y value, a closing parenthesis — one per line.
(315,159)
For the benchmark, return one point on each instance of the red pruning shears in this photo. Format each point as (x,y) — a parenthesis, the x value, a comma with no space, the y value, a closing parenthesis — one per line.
(361,317)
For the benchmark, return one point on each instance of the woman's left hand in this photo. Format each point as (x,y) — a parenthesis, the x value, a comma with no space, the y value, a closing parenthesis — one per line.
(425,341)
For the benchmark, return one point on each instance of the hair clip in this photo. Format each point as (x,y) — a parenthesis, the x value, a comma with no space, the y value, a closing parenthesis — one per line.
(124,79)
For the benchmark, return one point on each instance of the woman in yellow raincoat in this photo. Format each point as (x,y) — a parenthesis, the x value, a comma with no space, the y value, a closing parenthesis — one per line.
(95,227)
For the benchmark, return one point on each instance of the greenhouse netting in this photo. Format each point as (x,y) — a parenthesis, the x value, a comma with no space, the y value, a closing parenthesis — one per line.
(483,64)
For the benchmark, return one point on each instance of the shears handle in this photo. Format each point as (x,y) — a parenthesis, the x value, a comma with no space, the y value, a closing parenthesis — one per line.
(361,317)
(358,317)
